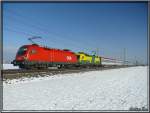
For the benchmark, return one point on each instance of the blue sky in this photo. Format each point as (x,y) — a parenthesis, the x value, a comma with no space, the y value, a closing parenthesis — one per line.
(111,27)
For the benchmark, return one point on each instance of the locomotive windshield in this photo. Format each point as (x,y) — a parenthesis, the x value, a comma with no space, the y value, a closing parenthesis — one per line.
(22,51)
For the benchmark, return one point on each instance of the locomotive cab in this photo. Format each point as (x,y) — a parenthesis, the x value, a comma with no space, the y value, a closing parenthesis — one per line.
(20,56)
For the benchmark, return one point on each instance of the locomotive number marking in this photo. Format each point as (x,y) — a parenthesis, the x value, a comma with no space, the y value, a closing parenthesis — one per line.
(69,58)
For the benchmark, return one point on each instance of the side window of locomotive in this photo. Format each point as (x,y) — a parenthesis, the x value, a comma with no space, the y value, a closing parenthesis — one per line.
(33,51)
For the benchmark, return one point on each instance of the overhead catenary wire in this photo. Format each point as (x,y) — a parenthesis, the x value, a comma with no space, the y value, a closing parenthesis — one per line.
(22,33)
(16,31)
(45,31)
(38,25)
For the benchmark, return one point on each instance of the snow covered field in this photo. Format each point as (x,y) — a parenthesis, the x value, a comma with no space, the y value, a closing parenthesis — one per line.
(116,89)
(9,66)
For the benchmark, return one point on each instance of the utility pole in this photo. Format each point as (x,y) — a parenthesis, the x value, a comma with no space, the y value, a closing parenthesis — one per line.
(124,55)
(136,61)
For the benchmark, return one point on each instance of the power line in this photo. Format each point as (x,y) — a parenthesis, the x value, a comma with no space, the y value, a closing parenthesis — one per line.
(16,31)
(21,32)
(124,55)
(54,39)
(44,30)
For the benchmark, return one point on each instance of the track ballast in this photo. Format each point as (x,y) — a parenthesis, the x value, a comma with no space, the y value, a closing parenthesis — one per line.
(18,73)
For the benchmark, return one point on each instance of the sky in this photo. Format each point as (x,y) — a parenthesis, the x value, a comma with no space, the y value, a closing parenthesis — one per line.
(110,27)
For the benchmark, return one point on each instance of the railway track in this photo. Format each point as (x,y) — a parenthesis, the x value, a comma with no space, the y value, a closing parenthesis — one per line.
(18,73)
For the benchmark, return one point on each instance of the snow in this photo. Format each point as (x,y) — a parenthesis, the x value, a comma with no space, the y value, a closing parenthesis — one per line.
(116,89)
(10,66)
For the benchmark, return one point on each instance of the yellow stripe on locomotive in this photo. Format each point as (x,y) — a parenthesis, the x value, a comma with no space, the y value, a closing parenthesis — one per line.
(84,58)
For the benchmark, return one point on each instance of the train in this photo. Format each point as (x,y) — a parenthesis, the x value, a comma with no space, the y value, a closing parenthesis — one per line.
(37,56)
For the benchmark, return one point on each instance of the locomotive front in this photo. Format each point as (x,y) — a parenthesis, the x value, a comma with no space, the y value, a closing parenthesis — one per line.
(21,56)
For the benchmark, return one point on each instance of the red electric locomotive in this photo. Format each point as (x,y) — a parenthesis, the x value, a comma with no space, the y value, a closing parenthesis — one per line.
(29,56)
